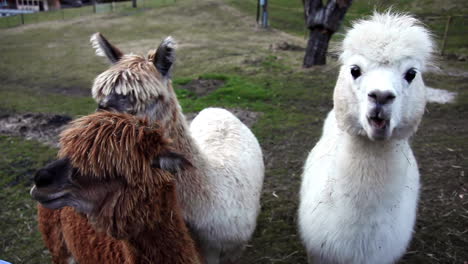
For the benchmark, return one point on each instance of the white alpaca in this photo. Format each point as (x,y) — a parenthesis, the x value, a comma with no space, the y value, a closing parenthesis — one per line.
(360,184)
(220,197)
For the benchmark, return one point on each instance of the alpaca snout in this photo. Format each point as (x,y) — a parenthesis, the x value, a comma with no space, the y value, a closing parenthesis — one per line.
(43,178)
(379,118)
(115,102)
(379,112)
(51,200)
(381,97)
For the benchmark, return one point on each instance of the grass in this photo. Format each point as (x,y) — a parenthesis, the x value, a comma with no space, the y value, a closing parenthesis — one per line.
(11,101)
(20,242)
(236,92)
(71,13)
(50,66)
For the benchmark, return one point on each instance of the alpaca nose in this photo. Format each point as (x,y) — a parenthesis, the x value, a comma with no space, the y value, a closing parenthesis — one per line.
(102,106)
(43,178)
(381,97)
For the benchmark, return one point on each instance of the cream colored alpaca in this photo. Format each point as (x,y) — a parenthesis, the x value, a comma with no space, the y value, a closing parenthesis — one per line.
(220,198)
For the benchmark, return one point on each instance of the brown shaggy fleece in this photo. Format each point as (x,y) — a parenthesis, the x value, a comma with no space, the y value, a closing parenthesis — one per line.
(108,144)
(114,154)
(89,245)
(50,227)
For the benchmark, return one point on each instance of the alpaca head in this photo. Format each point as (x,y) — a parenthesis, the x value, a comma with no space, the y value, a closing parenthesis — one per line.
(113,167)
(380,91)
(134,84)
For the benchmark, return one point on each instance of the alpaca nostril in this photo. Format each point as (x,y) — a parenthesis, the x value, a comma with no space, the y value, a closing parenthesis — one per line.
(390,97)
(372,95)
(42,178)
(381,97)
(102,106)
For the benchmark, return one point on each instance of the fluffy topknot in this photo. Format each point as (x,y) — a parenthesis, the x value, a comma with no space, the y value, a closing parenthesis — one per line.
(111,145)
(132,75)
(387,38)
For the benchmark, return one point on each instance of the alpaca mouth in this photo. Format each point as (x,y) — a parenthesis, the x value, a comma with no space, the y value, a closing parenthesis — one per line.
(378,123)
(51,201)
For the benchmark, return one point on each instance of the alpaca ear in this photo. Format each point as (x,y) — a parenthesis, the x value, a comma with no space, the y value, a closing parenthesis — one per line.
(105,49)
(172,162)
(165,56)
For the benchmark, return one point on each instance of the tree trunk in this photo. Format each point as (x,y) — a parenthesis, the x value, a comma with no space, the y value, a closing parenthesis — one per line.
(134,3)
(316,51)
(322,21)
(94,6)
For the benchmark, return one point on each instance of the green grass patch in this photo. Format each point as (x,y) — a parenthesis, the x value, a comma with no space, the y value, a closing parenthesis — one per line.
(20,102)
(236,92)
(21,241)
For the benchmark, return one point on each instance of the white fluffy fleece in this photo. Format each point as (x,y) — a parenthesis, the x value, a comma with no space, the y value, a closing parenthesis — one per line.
(387,38)
(359,194)
(234,171)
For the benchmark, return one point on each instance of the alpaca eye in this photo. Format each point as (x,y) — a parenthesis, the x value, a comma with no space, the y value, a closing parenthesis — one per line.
(410,74)
(355,71)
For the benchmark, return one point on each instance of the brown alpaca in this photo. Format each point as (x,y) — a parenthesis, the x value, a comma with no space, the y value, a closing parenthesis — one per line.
(116,170)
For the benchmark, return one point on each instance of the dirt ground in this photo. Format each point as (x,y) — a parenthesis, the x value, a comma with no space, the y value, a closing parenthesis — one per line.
(202,87)
(44,128)
(441,233)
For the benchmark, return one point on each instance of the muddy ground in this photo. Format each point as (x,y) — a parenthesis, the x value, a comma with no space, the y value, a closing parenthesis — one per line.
(46,128)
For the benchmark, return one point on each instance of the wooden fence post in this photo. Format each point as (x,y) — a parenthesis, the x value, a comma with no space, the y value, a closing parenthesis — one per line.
(264,13)
(444,41)
(258,10)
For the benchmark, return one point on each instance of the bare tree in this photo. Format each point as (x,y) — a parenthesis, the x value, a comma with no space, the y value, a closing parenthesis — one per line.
(322,21)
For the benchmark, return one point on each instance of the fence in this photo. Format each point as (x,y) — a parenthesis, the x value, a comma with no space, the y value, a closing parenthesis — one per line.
(69,13)
(450,32)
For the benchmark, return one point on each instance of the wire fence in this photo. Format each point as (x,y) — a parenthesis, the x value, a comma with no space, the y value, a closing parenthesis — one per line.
(450,32)
(70,13)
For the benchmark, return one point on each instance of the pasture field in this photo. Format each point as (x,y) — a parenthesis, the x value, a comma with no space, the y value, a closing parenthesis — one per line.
(49,67)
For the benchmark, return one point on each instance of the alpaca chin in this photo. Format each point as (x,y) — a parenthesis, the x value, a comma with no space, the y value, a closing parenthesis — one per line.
(378,129)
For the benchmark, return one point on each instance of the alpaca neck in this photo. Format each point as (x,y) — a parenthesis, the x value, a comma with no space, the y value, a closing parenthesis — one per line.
(182,139)
(192,183)
(177,128)
(372,165)
(167,241)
